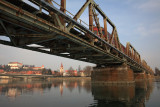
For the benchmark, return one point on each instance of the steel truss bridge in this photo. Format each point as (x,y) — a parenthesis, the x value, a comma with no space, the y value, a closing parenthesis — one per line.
(56,31)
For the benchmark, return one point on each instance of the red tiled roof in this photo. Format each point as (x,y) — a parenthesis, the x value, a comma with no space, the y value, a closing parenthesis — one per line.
(75,71)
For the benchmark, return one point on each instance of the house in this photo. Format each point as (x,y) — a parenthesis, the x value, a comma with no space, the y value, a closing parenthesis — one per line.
(66,73)
(1,71)
(33,68)
(38,68)
(15,65)
(70,73)
(82,74)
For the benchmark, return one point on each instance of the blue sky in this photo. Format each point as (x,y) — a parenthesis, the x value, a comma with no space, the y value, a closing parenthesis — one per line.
(137,22)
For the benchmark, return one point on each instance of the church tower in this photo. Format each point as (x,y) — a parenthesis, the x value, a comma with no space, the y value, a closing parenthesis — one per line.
(61,69)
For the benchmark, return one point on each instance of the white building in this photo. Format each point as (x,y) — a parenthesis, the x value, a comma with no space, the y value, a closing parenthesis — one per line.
(15,65)
(61,69)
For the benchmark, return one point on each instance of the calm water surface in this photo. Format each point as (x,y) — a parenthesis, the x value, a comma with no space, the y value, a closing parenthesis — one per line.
(77,93)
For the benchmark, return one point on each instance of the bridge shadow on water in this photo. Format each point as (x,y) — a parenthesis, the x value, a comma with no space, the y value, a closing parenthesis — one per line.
(114,95)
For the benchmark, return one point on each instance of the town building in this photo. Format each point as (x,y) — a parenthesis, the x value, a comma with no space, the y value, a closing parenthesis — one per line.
(33,68)
(15,65)
(66,73)
(61,69)
(82,74)
(75,73)
(70,73)
(1,71)
(38,68)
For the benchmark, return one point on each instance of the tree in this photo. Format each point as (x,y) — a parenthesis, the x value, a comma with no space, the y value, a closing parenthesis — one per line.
(49,72)
(79,68)
(157,71)
(88,70)
(44,71)
(71,71)
(1,67)
(6,68)
(56,73)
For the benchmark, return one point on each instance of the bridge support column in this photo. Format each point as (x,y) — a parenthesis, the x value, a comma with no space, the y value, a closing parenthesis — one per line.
(143,76)
(113,74)
(150,76)
(140,76)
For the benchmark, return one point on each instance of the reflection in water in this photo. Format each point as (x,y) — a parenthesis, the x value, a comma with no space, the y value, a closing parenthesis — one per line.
(133,95)
(158,84)
(14,88)
(73,92)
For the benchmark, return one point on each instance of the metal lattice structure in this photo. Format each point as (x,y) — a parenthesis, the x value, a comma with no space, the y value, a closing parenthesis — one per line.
(55,32)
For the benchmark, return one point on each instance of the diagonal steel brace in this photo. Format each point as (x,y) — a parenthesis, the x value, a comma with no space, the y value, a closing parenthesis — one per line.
(2,24)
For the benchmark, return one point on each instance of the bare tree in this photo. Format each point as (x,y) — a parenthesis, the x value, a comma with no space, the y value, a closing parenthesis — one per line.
(157,71)
(79,68)
(88,70)
(71,71)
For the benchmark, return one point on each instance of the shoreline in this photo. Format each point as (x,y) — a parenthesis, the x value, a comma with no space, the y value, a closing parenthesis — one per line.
(69,78)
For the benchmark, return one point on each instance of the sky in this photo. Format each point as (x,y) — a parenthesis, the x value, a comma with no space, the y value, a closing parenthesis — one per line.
(137,22)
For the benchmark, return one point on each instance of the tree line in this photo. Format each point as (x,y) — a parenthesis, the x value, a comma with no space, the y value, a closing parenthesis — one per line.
(157,72)
(86,70)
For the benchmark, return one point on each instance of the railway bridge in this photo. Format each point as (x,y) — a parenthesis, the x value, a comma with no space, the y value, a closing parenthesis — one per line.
(48,27)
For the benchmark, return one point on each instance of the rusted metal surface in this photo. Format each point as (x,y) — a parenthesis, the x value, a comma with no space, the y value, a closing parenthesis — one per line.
(112,36)
(63,9)
(50,30)
(90,17)
(131,51)
(105,29)
(82,9)
(97,23)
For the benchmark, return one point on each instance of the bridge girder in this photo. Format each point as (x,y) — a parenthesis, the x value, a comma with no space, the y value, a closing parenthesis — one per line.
(43,30)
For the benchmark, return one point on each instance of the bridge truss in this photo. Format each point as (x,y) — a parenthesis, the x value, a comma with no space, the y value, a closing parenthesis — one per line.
(55,32)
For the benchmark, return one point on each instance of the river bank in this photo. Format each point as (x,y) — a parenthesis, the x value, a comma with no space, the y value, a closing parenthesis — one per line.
(69,78)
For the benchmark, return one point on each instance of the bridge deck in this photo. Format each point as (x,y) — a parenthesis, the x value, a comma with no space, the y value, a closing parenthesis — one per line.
(24,28)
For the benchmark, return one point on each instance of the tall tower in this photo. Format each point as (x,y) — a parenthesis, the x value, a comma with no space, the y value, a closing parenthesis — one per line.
(61,69)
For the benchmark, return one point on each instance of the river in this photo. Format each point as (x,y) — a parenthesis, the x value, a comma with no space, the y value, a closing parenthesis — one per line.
(78,92)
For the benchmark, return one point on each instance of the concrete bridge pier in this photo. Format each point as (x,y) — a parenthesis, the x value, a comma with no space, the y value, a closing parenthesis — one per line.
(140,76)
(113,74)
